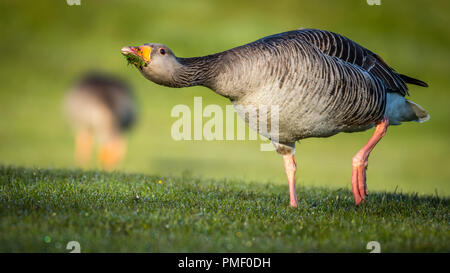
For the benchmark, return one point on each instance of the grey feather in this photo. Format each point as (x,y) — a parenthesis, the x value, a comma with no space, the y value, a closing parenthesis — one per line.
(322,82)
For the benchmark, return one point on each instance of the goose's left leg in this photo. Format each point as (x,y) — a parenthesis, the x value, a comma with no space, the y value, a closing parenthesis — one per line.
(361,159)
(290,167)
(112,152)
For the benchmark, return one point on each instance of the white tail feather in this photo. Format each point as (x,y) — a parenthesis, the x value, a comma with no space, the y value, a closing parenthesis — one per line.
(401,110)
(421,114)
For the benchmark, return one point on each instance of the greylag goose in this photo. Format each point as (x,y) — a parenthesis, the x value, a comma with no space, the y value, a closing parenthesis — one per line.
(100,108)
(322,83)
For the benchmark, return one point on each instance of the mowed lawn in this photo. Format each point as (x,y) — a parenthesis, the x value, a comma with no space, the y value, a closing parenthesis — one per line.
(44,209)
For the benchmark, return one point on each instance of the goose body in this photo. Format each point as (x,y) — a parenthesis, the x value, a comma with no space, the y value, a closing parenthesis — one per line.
(322,83)
(100,108)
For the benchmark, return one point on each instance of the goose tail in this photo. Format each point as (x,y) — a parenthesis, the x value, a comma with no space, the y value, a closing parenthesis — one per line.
(420,113)
(410,80)
(401,110)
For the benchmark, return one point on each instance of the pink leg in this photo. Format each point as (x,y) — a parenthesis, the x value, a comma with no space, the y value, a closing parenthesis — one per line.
(290,166)
(361,159)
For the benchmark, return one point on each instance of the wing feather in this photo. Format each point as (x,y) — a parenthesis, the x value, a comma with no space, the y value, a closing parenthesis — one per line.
(345,49)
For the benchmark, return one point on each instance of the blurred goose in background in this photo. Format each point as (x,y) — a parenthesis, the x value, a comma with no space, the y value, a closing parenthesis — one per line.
(100,108)
(322,82)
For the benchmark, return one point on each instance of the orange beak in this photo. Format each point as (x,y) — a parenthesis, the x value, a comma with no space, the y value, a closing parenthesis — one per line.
(142,52)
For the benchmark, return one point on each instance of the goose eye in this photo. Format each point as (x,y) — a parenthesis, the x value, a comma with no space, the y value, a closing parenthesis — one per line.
(162,51)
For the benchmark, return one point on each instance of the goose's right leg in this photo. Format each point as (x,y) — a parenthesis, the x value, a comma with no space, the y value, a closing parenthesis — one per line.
(361,160)
(83,147)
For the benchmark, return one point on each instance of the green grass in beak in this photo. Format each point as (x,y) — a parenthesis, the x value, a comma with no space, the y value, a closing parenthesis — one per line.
(136,60)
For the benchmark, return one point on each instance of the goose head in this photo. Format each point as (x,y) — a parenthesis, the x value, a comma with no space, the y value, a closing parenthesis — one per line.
(155,61)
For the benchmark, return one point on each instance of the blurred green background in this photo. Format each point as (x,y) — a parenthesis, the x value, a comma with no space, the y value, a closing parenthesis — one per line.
(45,45)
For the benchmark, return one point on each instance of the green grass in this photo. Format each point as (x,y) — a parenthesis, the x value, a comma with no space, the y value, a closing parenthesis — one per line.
(43,209)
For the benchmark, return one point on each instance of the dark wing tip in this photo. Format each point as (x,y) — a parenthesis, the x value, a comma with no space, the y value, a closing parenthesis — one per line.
(413,81)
